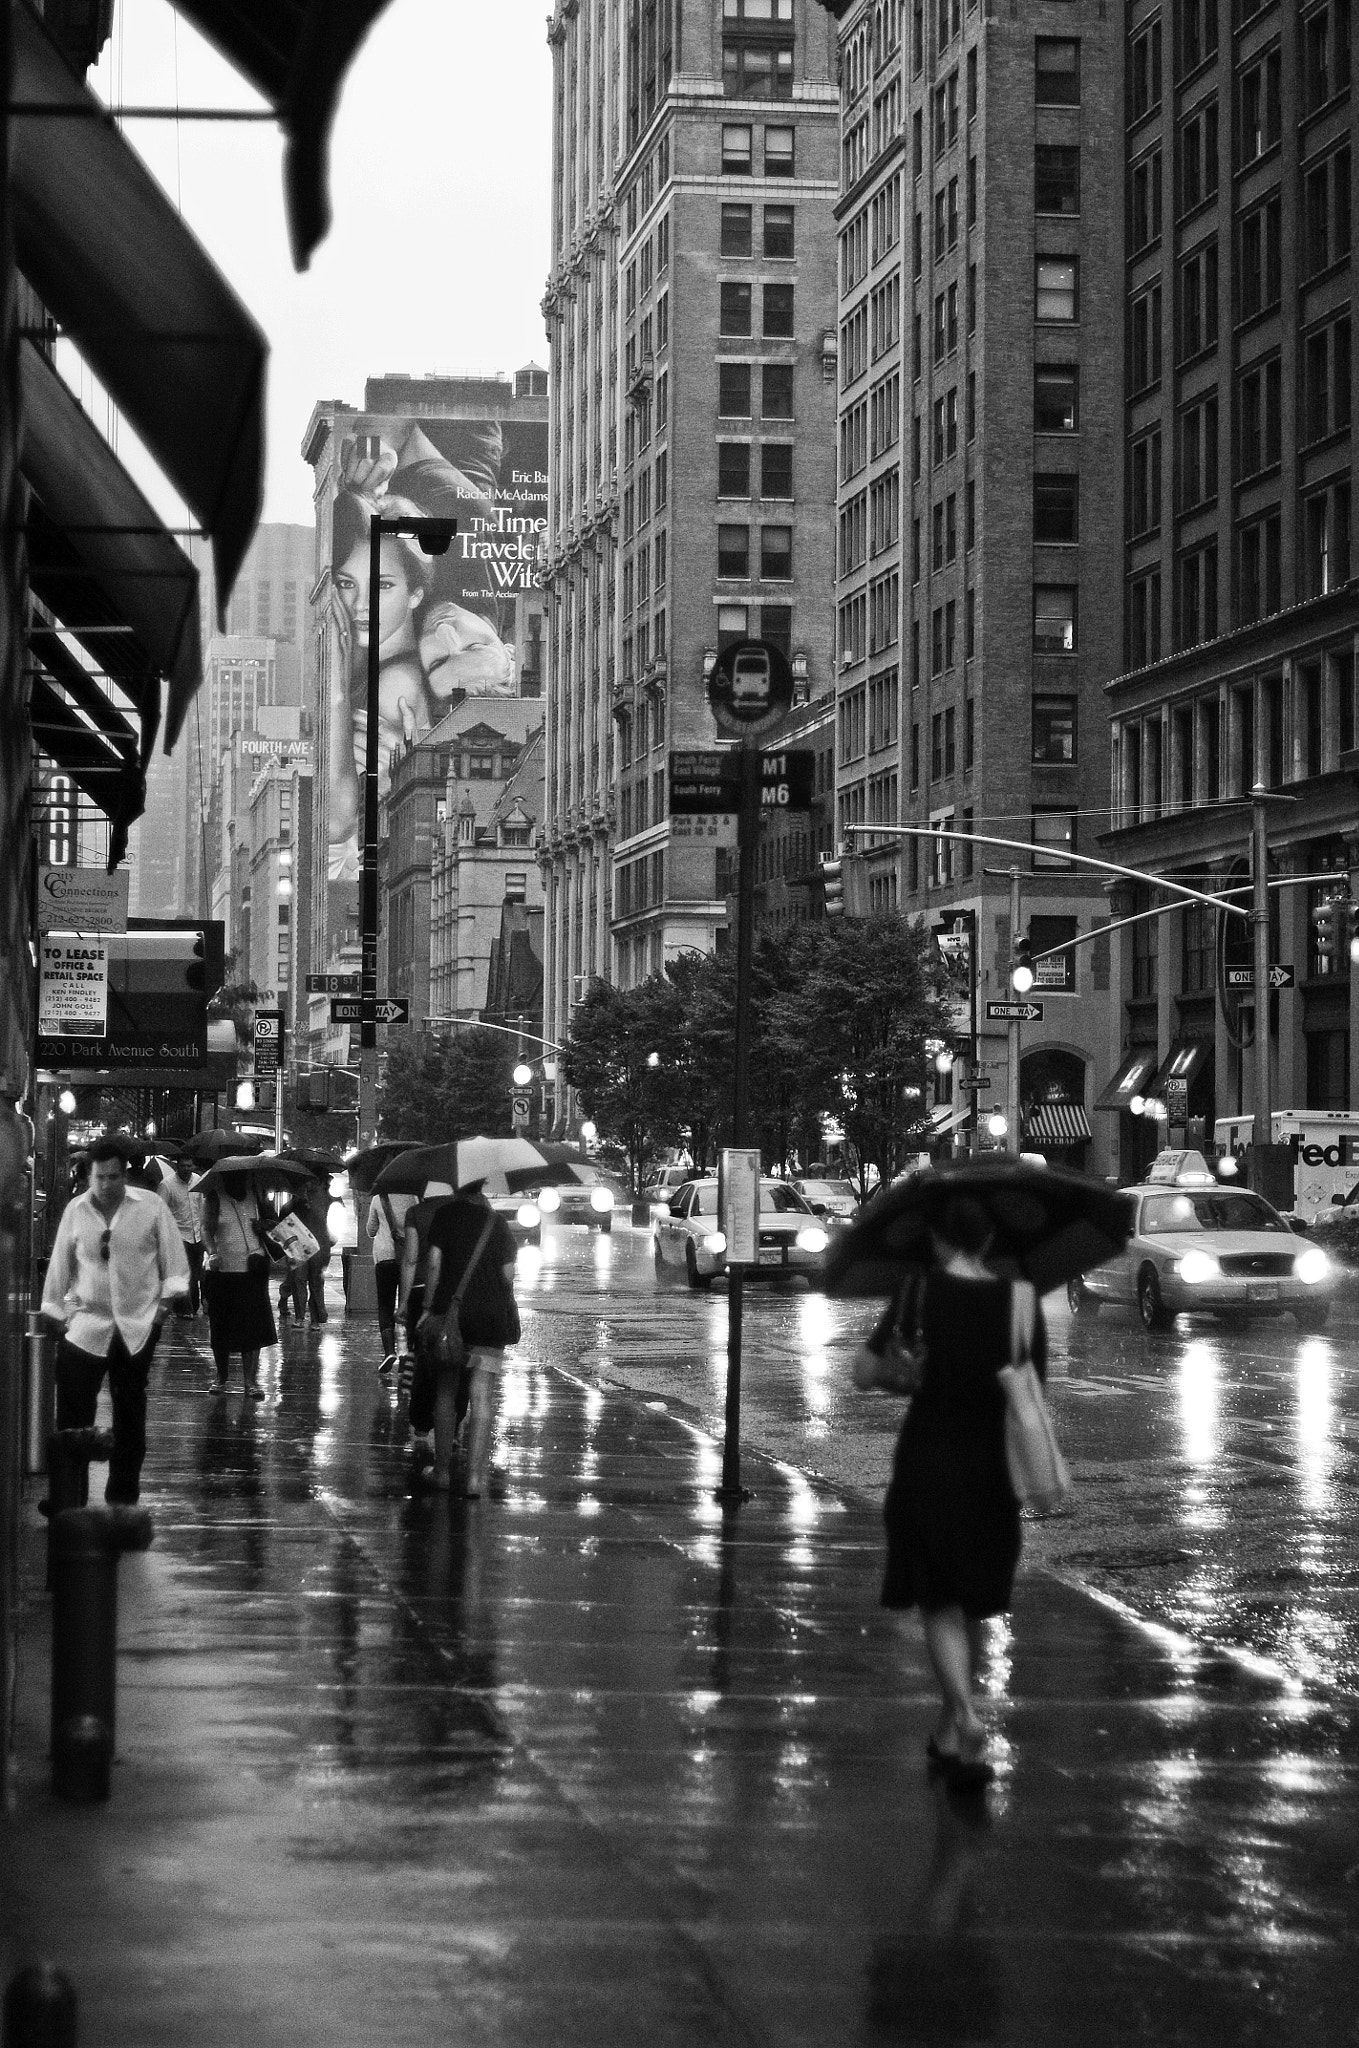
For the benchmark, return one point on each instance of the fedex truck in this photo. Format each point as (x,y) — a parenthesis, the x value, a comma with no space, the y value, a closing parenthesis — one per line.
(1325,1148)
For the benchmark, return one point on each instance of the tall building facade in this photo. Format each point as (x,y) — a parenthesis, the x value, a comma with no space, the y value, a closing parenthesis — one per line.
(1242,618)
(691,315)
(979,463)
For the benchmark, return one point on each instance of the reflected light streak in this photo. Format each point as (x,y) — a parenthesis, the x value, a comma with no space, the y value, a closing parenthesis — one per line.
(1200,1400)
(329,1398)
(1317,1446)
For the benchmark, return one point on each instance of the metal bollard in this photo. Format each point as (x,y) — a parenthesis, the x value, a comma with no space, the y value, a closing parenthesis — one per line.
(86,1546)
(70,1453)
(40,1395)
(40,2009)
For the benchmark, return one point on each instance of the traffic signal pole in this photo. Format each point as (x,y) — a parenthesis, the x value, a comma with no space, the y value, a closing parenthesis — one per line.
(1262,1130)
(747,839)
(368,873)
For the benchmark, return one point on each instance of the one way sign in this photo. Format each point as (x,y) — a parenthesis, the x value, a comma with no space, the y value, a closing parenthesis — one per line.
(390,1010)
(1280,975)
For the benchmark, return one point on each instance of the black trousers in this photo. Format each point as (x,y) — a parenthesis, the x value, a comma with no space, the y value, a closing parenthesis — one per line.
(189,1304)
(80,1375)
(387,1279)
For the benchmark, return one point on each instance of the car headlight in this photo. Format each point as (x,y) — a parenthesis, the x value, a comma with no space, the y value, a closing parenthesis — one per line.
(527,1216)
(549,1201)
(601,1200)
(715,1241)
(1194,1268)
(1312,1266)
(813,1239)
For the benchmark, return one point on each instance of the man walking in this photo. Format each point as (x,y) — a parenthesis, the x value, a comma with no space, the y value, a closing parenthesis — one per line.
(187,1211)
(117,1262)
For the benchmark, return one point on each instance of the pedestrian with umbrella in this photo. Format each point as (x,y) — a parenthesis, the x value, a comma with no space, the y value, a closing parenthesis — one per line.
(965,1252)
(237,1216)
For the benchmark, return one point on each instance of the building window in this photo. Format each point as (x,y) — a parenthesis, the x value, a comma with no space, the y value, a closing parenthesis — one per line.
(1144,620)
(776,554)
(733,390)
(1260,268)
(1056,500)
(1197,572)
(1144,340)
(1056,288)
(1144,72)
(1198,157)
(1056,179)
(778,312)
(1198,33)
(1144,195)
(1326,381)
(1056,392)
(1056,72)
(1326,212)
(1054,838)
(1144,484)
(1198,453)
(1258,101)
(1198,301)
(733,469)
(778,231)
(734,308)
(776,469)
(1258,418)
(1326,540)
(736,230)
(1054,618)
(736,150)
(1054,729)
(778,152)
(1325,55)
(776,391)
(733,551)
(758,70)
(732,625)
(776,627)
(1258,560)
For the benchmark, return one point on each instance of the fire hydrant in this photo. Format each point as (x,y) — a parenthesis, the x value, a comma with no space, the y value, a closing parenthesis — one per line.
(70,1453)
(86,1544)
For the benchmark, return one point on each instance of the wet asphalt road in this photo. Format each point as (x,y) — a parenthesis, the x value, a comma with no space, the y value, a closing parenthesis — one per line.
(1217,1468)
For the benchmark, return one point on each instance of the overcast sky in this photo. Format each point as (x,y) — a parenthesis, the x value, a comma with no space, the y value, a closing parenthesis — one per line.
(438,254)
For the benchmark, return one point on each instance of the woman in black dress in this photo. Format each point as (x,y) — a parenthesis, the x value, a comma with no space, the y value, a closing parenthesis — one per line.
(236,1279)
(952,1518)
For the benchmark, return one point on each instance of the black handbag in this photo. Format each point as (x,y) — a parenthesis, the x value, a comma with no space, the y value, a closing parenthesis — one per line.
(447,1346)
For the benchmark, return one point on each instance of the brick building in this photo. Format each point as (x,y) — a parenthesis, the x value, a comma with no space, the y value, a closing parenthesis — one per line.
(1241,616)
(979,453)
(691,314)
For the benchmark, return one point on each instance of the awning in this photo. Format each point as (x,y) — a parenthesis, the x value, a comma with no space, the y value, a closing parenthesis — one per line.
(1128,1081)
(98,556)
(1056,1123)
(128,283)
(296,53)
(1180,1064)
(946,1117)
(100,754)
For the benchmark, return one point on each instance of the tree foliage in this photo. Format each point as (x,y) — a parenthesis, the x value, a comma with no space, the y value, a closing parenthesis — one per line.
(840,1014)
(435,1089)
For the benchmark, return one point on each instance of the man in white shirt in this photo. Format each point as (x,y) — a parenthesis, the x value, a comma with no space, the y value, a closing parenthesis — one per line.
(187,1210)
(117,1263)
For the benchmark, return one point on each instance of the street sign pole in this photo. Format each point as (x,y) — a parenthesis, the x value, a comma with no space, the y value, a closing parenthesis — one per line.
(1012,1091)
(731,1491)
(1262,1134)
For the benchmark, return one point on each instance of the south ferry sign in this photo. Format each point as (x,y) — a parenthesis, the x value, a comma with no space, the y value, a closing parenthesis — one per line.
(702,783)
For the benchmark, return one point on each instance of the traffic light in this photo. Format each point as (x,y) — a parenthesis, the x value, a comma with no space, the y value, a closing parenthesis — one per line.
(1350,910)
(833,884)
(1021,964)
(1330,927)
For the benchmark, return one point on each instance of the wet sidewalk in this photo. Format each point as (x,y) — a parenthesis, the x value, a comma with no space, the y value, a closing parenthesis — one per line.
(589,1762)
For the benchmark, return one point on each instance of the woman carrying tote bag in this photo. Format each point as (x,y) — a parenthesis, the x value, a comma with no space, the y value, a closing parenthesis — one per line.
(475,1263)
(952,1514)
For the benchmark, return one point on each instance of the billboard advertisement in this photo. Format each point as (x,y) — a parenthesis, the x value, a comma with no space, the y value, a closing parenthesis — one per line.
(449,626)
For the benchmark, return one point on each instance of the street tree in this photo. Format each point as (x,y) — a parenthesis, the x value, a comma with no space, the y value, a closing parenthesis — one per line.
(620,1059)
(437,1088)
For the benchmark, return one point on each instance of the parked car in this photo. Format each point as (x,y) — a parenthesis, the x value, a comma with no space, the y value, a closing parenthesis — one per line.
(687,1238)
(666,1183)
(837,1199)
(1200,1247)
(590,1198)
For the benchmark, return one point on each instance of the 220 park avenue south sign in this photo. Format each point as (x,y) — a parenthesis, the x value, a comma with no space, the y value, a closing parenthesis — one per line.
(469,621)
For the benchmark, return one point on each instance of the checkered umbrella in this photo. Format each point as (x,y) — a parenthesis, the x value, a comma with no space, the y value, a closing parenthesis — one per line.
(517,1162)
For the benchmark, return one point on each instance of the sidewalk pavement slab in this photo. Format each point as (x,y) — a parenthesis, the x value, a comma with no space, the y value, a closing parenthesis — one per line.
(590,1761)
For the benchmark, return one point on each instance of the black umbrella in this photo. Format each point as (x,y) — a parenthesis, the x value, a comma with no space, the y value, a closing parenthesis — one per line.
(210,1146)
(1049,1224)
(364,1167)
(266,1174)
(324,1163)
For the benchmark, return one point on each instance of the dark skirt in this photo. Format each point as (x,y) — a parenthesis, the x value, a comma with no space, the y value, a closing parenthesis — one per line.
(240,1317)
(953,1533)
